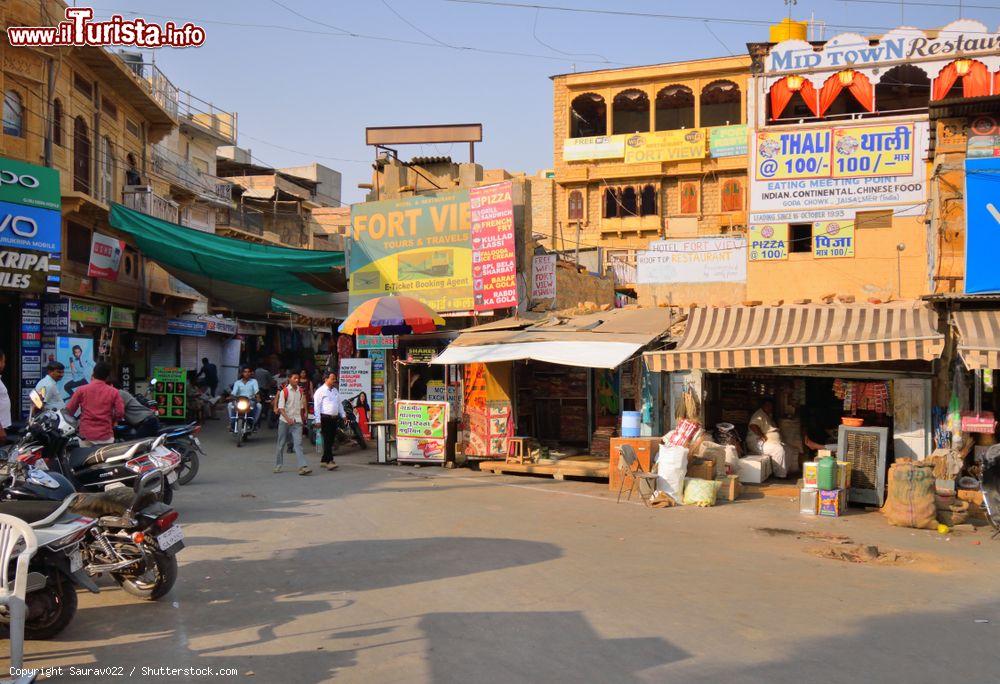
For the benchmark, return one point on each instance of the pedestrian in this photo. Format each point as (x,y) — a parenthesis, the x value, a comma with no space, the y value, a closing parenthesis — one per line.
(210,374)
(5,419)
(329,412)
(48,387)
(100,407)
(291,412)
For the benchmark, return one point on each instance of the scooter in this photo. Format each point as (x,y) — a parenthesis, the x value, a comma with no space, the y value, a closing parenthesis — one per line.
(243,424)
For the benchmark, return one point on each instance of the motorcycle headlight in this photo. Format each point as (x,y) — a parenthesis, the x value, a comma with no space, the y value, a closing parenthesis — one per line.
(242,404)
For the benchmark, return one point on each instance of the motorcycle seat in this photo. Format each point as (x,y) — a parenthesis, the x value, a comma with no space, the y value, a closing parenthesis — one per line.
(30,511)
(93,455)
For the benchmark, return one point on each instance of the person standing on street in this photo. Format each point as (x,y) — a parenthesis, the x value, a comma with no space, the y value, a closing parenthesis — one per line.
(100,407)
(210,374)
(291,412)
(329,411)
(5,419)
(48,387)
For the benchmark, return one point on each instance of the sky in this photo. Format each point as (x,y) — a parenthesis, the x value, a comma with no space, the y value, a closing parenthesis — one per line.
(305,89)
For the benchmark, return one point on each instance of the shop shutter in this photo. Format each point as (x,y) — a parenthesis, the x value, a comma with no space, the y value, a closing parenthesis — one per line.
(162,351)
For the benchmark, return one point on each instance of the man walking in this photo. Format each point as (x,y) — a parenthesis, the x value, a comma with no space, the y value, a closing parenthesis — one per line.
(100,406)
(291,412)
(210,374)
(329,411)
(48,387)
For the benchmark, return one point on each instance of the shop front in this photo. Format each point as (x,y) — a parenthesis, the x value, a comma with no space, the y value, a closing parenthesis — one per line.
(855,381)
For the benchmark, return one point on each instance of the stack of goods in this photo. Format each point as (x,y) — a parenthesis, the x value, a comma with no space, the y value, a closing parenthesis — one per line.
(864,396)
(600,443)
(825,484)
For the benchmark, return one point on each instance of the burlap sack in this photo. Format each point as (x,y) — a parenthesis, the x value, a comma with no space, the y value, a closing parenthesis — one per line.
(910,500)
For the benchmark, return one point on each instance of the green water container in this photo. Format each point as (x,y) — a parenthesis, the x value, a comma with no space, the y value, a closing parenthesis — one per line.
(826,477)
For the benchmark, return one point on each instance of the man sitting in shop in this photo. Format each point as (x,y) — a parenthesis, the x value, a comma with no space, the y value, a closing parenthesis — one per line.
(764,438)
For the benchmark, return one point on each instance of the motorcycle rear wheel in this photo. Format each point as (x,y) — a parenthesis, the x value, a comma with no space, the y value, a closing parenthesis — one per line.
(189,466)
(151,589)
(53,608)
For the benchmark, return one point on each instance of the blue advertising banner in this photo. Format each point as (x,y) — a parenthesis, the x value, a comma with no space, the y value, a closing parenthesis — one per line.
(182,326)
(31,228)
(982,232)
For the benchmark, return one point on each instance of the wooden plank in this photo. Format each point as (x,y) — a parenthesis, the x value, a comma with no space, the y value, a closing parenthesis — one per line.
(598,469)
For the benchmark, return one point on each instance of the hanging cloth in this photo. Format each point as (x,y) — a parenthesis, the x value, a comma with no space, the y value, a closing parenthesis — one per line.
(976,83)
(945,80)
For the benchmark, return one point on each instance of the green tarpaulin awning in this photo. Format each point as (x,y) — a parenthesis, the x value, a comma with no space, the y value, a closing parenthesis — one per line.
(237,274)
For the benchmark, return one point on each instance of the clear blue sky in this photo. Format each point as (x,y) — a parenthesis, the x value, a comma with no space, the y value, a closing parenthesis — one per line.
(315,93)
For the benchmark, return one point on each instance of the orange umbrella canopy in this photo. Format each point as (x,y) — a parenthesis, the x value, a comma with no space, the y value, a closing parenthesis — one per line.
(392,315)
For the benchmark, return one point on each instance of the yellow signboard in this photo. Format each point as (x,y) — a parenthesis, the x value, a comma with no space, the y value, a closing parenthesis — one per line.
(595,147)
(885,150)
(833,239)
(665,146)
(768,242)
(793,154)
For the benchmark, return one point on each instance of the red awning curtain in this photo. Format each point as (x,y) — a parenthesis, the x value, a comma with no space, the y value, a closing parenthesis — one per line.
(858,85)
(782,93)
(975,82)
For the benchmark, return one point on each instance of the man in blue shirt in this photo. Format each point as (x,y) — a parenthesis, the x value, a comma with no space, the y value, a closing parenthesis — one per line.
(48,387)
(246,386)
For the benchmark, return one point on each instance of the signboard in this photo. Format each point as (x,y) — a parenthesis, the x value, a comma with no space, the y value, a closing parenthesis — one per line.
(55,322)
(494,269)
(377,341)
(727,141)
(983,138)
(250,328)
(29,185)
(420,354)
(31,351)
(105,256)
(28,271)
(768,242)
(187,327)
(543,282)
(171,392)
(437,390)
(421,430)
(355,377)
(377,399)
(77,355)
(87,312)
(665,146)
(833,239)
(715,259)
(885,150)
(126,377)
(808,198)
(982,215)
(122,317)
(152,325)
(597,147)
(418,246)
(793,154)
(219,324)
(39,230)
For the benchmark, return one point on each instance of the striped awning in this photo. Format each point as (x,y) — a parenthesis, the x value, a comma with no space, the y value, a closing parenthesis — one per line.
(768,336)
(978,338)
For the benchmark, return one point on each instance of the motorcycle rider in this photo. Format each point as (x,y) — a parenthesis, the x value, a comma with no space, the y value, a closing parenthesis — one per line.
(329,412)
(141,419)
(100,407)
(246,386)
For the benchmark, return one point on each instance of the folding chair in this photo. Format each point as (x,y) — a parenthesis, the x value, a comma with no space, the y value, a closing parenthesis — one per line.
(14,532)
(630,469)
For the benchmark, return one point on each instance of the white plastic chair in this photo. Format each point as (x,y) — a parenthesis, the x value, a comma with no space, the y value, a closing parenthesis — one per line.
(12,531)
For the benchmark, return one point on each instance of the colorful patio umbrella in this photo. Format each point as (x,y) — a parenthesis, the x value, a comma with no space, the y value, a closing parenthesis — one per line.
(391,315)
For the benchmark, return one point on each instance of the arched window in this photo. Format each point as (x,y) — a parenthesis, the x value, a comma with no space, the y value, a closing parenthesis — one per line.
(81,156)
(674,108)
(630,202)
(792,97)
(611,203)
(13,114)
(961,78)
(732,195)
(588,116)
(57,122)
(132,176)
(107,184)
(720,104)
(575,209)
(901,88)
(647,201)
(846,92)
(630,112)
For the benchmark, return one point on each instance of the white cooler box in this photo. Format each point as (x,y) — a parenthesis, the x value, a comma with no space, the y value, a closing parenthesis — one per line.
(755,469)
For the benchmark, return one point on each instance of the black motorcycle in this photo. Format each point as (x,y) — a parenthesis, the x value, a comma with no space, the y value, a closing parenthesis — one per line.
(182,439)
(349,430)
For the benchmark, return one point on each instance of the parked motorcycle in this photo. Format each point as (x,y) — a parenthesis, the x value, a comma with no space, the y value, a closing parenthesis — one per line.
(989,485)
(348,429)
(182,439)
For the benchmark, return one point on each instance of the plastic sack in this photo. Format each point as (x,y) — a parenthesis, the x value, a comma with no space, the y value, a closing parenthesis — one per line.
(732,459)
(910,500)
(685,431)
(701,492)
(671,465)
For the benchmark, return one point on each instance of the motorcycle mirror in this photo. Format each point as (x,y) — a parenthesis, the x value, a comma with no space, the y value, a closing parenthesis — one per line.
(37,398)
(152,382)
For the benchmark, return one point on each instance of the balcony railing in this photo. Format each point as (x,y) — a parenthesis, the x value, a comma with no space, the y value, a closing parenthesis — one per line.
(181,172)
(142,198)
(248,221)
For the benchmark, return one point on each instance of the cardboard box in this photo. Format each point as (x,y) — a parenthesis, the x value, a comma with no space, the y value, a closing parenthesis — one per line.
(755,469)
(730,487)
(832,502)
(808,500)
(701,471)
(810,474)
(843,475)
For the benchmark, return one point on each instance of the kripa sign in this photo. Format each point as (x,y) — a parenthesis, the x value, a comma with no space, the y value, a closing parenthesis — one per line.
(28,272)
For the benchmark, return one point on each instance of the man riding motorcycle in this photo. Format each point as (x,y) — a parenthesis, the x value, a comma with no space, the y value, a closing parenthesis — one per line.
(246,386)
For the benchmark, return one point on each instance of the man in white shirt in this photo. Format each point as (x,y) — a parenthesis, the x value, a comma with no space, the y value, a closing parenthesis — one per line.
(5,419)
(48,386)
(329,411)
(291,412)
(763,437)
(246,386)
